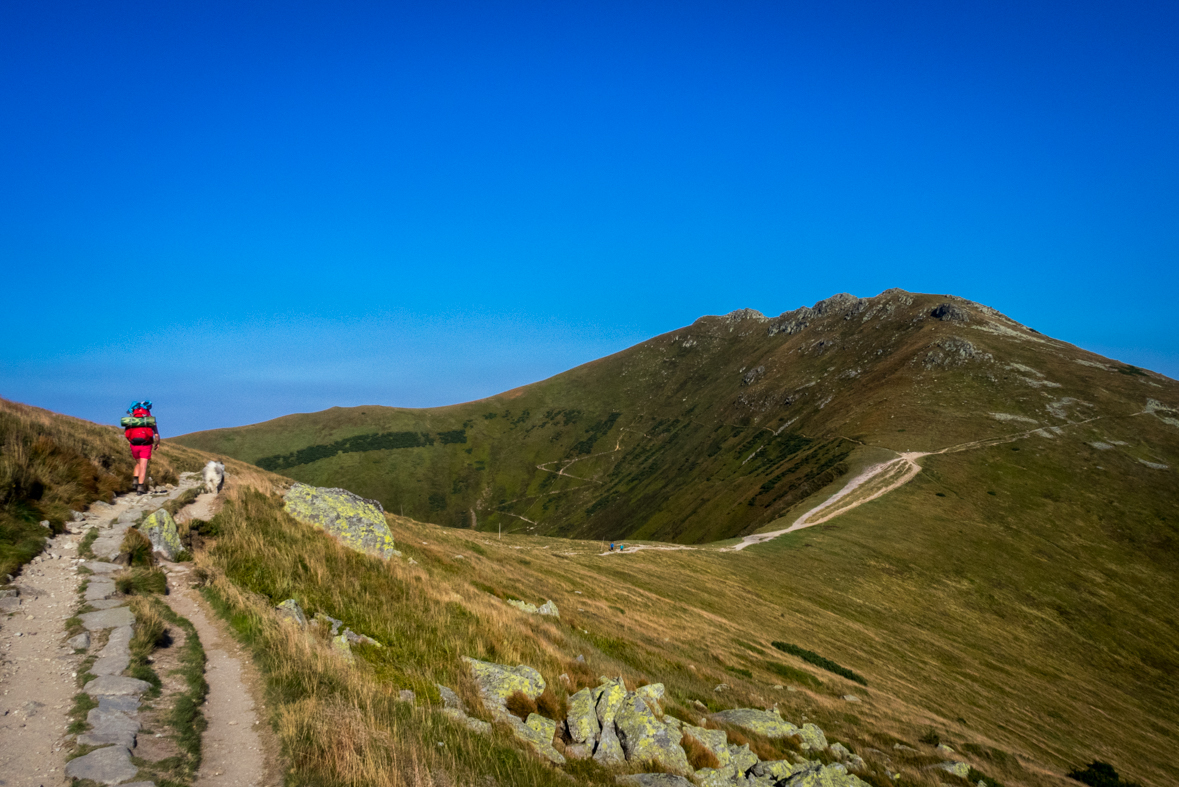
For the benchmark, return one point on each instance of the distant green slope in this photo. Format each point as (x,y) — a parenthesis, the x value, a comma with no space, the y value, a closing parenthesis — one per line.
(709,432)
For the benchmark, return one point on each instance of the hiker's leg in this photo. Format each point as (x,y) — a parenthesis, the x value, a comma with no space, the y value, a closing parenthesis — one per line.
(141,469)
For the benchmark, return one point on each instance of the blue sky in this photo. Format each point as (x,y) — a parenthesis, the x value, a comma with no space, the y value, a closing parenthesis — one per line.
(242,210)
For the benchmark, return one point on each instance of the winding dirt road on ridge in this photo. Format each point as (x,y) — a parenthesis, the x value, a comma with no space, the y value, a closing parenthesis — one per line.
(872,483)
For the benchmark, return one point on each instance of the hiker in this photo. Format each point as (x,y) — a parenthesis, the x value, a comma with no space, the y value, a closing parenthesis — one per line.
(141,431)
(611,546)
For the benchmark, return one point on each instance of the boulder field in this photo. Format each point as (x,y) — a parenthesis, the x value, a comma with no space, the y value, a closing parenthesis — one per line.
(619,727)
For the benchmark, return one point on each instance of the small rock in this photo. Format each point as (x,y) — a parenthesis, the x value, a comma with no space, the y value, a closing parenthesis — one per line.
(959,769)
(290,610)
(944,749)
(107,766)
(550,609)
(721,687)
(406,695)
(80,642)
(949,312)
(850,698)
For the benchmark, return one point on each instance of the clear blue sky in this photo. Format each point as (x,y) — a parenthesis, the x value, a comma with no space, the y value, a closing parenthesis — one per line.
(246,209)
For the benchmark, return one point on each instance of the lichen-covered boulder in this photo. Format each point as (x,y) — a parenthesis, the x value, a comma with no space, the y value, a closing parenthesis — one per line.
(716,741)
(825,776)
(290,610)
(497,682)
(582,718)
(763,722)
(549,608)
(609,697)
(652,691)
(652,780)
(812,737)
(742,758)
(340,645)
(961,769)
(645,738)
(160,529)
(538,733)
(357,522)
(775,770)
(716,777)
(523,606)
(609,751)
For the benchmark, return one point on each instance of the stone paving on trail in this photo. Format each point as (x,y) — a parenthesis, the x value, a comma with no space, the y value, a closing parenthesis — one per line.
(38,666)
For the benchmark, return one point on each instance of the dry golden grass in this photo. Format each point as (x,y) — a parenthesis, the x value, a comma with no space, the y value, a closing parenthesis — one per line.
(699,755)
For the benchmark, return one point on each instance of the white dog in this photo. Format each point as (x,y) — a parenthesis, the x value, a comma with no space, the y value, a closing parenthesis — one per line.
(214,476)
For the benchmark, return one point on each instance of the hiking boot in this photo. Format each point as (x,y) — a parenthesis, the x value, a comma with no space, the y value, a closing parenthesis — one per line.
(141,489)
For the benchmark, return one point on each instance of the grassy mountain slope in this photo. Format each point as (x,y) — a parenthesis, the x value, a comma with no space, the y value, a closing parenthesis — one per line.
(1033,629)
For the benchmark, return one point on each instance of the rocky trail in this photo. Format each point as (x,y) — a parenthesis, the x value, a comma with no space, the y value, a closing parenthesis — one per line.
(39,665)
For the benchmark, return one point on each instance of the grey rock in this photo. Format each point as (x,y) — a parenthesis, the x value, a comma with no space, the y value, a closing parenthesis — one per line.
(44,523)
(327,620)
(108,603)
(99,588)
(108,618)
(9,592)
(538,733)
(812,737)
(609,751)
(475,725)
(850,698)
(960,769)
(10,604)
(550,609)
(449,698)
(652,780)
(762,722)
(80,642)
(646,738)
(950,312)
(406,695)
(115,685)
(117,643)
(110,665)
(360,639)
(753,375)
(109,726)
(742,758)
(290,610)
(579,751)
(582,718)
(839,751)
(775,770)
(127,703)
(106,766)
(953,351)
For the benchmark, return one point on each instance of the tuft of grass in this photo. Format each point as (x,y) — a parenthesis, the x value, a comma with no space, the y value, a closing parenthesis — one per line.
(521,705)
(549,705)
(790,673)
(811,657)
(137,547)
(83,704)
(141,581)
(85,546)
(931,737)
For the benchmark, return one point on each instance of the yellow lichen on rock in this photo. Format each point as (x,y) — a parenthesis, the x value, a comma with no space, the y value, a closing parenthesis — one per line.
(160,529)
(357,522)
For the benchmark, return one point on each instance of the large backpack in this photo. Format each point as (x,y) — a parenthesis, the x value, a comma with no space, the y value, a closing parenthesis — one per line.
(139,427)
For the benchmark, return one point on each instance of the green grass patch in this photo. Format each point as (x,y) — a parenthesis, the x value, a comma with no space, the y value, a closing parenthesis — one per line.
(141,581)
(86,545)
(811,657)
(790,673)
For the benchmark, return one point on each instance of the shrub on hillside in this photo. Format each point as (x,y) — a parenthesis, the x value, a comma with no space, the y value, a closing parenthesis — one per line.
(1100,774)
(811,657)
